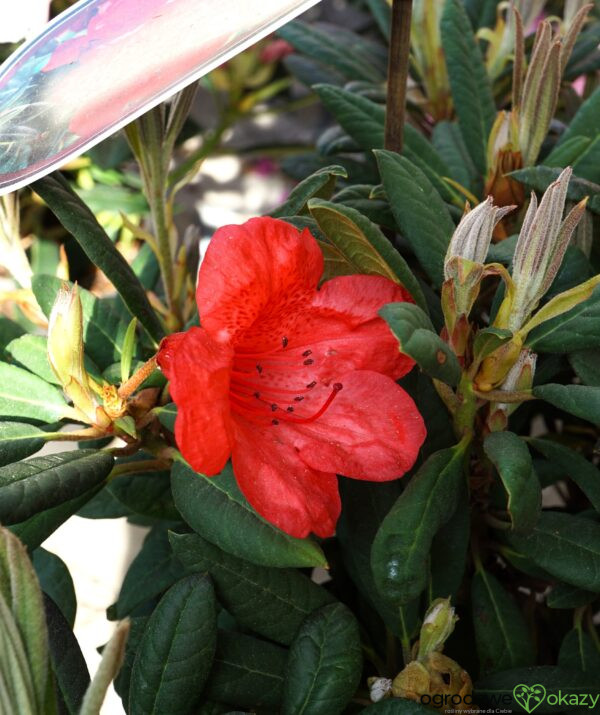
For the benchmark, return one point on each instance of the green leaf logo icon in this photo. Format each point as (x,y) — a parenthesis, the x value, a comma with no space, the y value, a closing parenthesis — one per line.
(529,696)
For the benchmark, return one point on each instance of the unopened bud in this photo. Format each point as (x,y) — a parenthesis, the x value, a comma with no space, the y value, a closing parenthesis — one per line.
(65,355)
(437,626)
(519,378)
(540,248)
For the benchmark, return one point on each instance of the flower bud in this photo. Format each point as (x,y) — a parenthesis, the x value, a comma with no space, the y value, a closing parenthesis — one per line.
(518,379)
(437,626)
(65,354)
(540,248)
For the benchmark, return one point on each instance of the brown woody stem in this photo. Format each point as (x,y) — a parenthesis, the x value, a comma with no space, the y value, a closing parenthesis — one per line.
(397,74)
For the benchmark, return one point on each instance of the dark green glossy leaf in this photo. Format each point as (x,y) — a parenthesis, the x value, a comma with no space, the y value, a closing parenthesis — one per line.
(247,672)
(565,153)
(25,395)
(55,580)
(420,213)
(153,571)
(167,415)
(324,664)
(418,339)
(585,122)
(502,636)
(321,184)
(578,651)
(18,440)
(176,650)
(564,596)
(511,458)
(68,664)
(401,547)
(573,465)
(579,400)
(272,602)
(45,482)
(469,82)
(145,493)
(555,681)
(566,546)
(216,509)
(9,331)
(78,219)
(448,556)
(363,245)
(448,141)
(123,679)
(396,706)
(586,364)
(540,177)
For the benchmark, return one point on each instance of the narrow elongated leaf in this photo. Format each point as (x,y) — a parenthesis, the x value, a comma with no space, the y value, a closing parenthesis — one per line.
(579,400)
(566,153)
(420,213)
(78,219)
(176,651)
(9,331)
(449,549)
(417,339)
(68,664)
(564,596)
(363,245)
(153,570)
(585,121)
(25,395)
(556,681)
(320,184)
(216,509)
(123,679)
(511,458)
(502,637)
(540,177)
(272,602)
(18,440)
(247,672)
(324,665)
(586,364)
(55,580)
(573,465)
(45,482)
(448,141)
(579,652)
(469,82)
(566,546)
(401,547)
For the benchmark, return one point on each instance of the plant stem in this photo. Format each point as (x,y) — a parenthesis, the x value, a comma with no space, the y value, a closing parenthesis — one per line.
(397,74)
(138,377)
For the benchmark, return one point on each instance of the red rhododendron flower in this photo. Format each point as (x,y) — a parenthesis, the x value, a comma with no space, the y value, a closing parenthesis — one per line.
(294,384)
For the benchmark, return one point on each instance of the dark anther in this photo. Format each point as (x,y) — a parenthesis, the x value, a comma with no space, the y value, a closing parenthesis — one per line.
(274,422)
(306,353)
(258,368)
(298,399)
(311,385)
(308,362)
(274,407)
(284,341)
(290,409)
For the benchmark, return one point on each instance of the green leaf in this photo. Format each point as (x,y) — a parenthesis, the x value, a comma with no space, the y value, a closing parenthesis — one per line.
(502,637)
(55,580)
(247,672)
(469,82)
(540,177)
(31,352)
(578,651)
(272,602)
(44,482)
(123,680)
(112,375)
(78,219)
(565,596)
(320,184)
(566,153)
(363,245)
(555,681)
(586,364)
(154,570)
(420,213)
(176,651)
(488,340)
(396,706)
(573,465)
(449,548)
(216,509)
(585,122)
(103,329)
(324,664)
(9,331)
(68,664)
(418,339)
(401,547)
(510,456)
(167,415)
(18,440)
(35,530)
(145,493)
(448,141)
(128,348)
(579,400)
(25,395)
(351,61)
(566,546)
(586,165)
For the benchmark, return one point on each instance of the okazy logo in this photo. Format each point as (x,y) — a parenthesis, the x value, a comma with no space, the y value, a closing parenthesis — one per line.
(531,697)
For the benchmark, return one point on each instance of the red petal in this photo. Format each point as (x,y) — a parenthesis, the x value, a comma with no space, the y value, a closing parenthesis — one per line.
(372,430)
(199,370)
(280,486)
(264,270)
(345,333)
